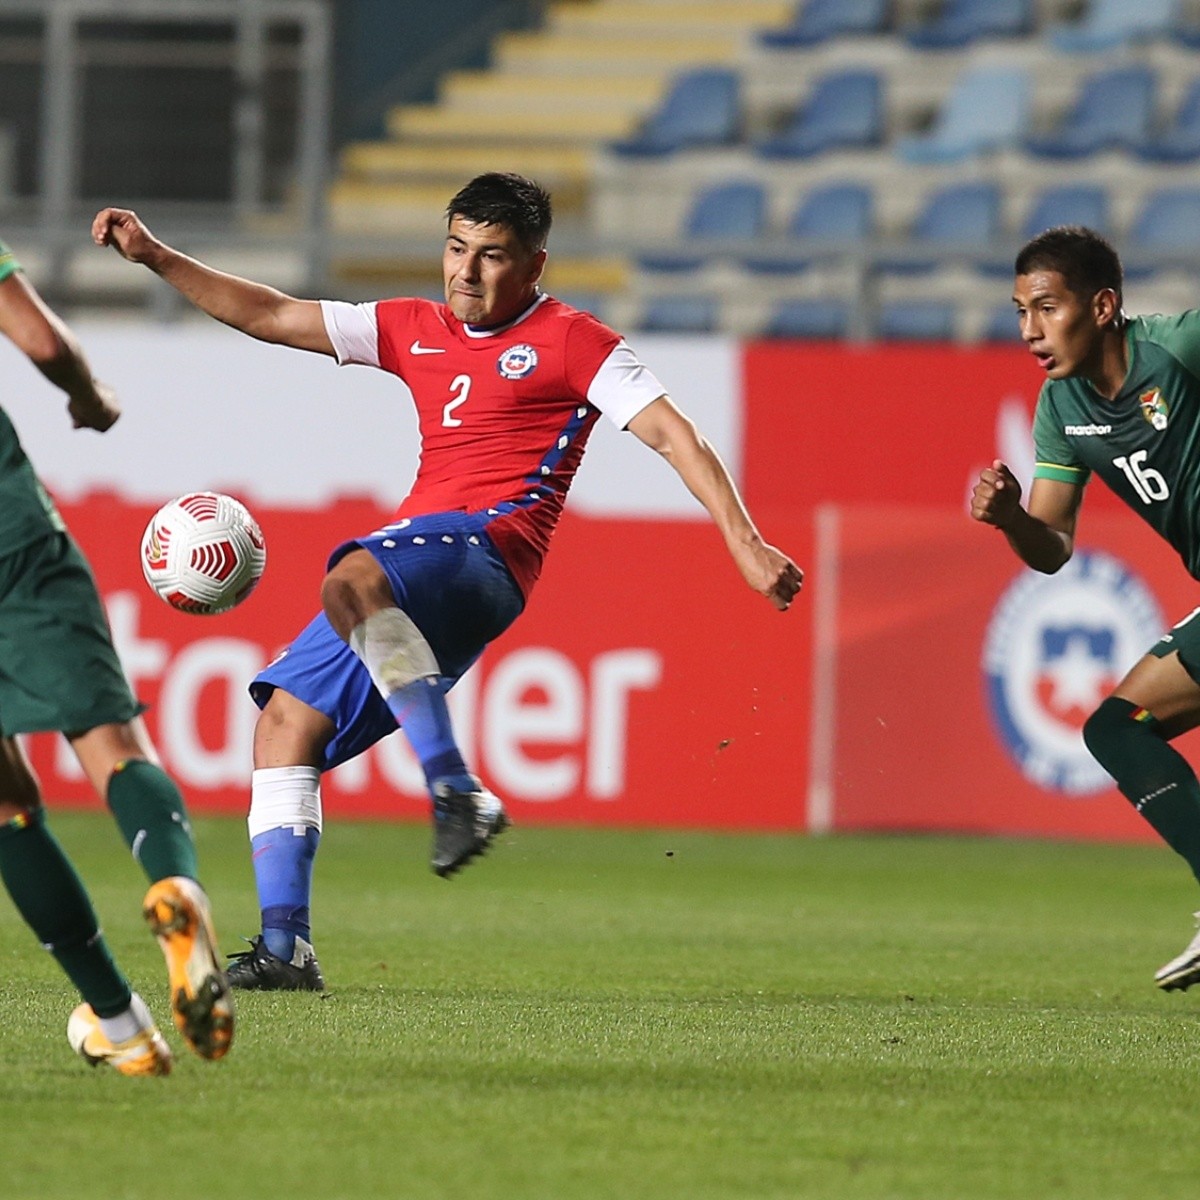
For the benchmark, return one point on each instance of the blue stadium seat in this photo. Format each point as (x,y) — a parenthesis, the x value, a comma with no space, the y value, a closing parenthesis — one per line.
(722,213)
(833,217)
(1067,204)
(844,109)
(679,314)
(1180,140)
(839,214)
(960,214)
(1168,220)
(1187,33)
(815,21)
(701,109)
(1113,109)
(1000,325)
(987,109)
(1107,24)
(808,318)
(916,320)
(961,22)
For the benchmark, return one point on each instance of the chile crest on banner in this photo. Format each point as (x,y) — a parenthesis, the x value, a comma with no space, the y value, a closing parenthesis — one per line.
(1055,647)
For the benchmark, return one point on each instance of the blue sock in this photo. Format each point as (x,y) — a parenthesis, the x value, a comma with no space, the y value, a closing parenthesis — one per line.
(420,708)
(283,866)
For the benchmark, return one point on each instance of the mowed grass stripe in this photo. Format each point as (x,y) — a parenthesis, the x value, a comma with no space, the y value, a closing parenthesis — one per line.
(607,1014)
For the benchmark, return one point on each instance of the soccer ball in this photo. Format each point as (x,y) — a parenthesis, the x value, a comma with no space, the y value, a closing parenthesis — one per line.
(203,553)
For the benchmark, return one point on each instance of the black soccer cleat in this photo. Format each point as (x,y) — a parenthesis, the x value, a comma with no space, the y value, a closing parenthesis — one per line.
(464,824)
(257,969)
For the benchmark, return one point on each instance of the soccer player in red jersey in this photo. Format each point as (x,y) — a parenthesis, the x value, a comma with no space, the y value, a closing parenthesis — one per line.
(507,383)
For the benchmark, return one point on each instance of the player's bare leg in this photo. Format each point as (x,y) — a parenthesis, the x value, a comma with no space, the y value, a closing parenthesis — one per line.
(1130,734)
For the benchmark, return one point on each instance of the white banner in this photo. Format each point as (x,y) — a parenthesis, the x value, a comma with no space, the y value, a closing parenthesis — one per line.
(206,408)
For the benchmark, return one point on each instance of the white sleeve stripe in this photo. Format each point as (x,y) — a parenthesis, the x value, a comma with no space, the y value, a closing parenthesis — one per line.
(354,331)
(623,385)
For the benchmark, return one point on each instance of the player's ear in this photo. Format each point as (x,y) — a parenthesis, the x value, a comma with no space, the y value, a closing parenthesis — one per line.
(537,265)
(1106,306)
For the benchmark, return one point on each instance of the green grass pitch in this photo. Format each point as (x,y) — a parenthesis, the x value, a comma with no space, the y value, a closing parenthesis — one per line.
(623,1015)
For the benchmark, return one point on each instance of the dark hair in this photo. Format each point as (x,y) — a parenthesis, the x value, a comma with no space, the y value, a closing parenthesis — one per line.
(513,201)
(1086,261)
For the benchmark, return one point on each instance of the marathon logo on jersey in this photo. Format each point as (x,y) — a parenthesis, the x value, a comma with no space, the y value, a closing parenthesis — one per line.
(1056,646)
(1087,430)
(1154,408)
(517,361)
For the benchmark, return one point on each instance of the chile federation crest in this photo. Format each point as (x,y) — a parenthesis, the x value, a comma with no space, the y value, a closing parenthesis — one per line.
(1056,646)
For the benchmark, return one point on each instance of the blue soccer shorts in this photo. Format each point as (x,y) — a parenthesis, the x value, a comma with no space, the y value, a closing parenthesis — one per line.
(448,576)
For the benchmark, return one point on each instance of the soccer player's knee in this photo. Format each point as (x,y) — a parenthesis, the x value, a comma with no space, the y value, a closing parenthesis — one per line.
(1108,727)
(339,599)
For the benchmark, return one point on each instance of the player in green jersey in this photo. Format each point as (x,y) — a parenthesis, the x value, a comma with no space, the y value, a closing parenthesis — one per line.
(59,671)
(1121,399)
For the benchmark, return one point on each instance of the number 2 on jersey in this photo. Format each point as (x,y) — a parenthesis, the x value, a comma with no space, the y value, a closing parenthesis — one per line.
(462,385)
(1146,481)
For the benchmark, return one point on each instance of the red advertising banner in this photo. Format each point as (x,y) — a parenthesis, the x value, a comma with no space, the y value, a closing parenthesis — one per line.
(962,680)
(645,684)
(899,424)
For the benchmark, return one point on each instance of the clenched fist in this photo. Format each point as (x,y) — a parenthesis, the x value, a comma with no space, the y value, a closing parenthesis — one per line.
(996,497)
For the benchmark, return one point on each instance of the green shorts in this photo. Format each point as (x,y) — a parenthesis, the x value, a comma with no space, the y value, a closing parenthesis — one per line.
(58,668)
(1185,638)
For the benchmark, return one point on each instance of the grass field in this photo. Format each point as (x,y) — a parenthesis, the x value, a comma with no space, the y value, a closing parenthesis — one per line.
(592,1014)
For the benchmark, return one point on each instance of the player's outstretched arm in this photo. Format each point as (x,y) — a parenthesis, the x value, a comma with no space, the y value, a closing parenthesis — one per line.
(767,570)
(1043,534)
(47,341)
(261,311)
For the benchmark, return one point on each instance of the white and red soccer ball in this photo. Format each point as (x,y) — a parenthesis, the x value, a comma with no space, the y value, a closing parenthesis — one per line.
(203,553)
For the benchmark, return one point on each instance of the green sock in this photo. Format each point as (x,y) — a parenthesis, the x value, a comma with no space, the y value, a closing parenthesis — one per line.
(1152,775)
(152,818)
(50,896)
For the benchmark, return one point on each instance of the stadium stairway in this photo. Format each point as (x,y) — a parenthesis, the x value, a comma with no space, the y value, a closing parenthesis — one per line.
(552,100)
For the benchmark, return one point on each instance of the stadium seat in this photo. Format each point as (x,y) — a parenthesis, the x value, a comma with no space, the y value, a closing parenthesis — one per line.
(844,109)
(986,110)
(1112,109)
(816,21)
(1067,204)
(1169,220)
(808,318)
(1180,140)
(722,213)
(701,109)
(960,215)
(1000,325)
(960,22)
(679,314)
(916,320)
(1107,24)
(833,218)
(1187,33)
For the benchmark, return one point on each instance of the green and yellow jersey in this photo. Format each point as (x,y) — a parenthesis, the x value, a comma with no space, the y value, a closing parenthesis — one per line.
(1145,442)
(26,512)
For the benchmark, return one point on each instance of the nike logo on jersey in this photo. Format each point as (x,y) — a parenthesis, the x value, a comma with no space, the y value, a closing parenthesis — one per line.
(417,348)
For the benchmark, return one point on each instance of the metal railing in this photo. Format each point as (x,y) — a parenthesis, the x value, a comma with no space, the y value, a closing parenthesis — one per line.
(68,46)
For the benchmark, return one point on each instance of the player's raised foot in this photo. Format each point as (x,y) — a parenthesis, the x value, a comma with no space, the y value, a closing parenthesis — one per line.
(464,824)
(1181,972)
(146,1053)
(257,969)
(177,911)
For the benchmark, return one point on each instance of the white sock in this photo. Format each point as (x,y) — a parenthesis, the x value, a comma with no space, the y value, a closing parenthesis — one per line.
(129,1023)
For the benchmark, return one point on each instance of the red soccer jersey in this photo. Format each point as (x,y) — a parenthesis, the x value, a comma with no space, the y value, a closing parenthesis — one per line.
(504,414)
